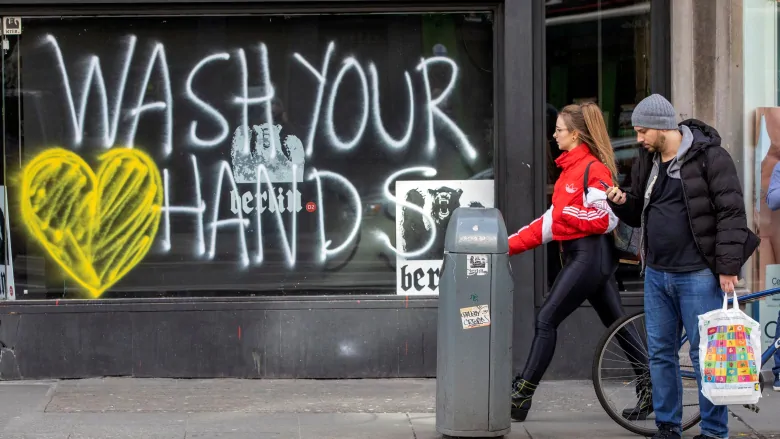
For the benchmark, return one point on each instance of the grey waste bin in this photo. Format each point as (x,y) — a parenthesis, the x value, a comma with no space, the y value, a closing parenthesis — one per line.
(474,339)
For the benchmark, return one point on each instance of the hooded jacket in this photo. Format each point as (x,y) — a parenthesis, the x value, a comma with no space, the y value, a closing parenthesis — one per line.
(573,215)
(713,198)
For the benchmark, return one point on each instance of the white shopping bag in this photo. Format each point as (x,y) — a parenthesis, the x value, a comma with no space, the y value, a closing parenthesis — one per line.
(729,355)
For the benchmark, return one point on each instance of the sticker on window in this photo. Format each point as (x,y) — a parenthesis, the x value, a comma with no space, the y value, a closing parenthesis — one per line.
(475,316)
(476,265)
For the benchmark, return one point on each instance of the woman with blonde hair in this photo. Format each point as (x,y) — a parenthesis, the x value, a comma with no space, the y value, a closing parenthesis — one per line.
(581,220)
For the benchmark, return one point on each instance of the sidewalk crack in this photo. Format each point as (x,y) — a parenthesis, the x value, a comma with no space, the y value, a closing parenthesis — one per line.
(528,432)
(50,394)
(414,433)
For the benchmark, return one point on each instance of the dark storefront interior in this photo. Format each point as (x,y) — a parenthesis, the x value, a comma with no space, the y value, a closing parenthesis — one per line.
(132,146)
(600,52)
(371,109)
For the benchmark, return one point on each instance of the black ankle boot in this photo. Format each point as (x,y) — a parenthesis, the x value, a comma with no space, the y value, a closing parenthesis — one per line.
(644,405)
(522,392)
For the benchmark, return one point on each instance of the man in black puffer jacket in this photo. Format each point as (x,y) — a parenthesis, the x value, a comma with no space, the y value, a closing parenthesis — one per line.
(687,199)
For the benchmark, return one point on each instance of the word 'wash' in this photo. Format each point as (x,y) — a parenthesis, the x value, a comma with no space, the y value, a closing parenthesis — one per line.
(96,226)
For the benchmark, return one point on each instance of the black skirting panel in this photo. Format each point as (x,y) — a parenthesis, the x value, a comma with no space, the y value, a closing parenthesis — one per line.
(366,338)
(369,338)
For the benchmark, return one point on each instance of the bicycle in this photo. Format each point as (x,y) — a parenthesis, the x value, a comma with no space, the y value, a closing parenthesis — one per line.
(622,331)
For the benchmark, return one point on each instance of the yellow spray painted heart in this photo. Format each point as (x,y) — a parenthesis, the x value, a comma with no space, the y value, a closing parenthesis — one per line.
(97,227)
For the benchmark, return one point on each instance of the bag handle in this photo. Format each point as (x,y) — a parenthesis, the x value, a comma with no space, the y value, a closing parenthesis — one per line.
(734,301)
(585,178)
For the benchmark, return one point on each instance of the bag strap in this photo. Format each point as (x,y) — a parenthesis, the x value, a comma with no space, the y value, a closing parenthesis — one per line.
(585,178)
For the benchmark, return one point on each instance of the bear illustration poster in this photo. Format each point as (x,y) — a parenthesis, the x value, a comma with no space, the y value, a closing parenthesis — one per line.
(423,211)
(6,257)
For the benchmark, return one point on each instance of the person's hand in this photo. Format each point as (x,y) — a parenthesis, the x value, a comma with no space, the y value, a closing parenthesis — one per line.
(727,283)
(615,195)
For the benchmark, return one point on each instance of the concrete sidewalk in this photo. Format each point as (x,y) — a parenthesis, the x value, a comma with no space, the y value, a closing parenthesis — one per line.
(296,409)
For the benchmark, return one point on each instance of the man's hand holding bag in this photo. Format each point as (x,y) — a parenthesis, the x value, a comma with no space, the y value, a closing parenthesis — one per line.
(729,355)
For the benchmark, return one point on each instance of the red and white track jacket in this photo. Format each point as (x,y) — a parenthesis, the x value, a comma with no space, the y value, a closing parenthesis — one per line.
(572,215)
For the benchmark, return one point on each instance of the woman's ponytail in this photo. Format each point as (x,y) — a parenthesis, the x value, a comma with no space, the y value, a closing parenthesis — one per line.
(597,130)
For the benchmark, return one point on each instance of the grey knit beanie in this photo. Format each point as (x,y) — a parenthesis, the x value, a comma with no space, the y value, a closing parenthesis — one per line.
(655,112)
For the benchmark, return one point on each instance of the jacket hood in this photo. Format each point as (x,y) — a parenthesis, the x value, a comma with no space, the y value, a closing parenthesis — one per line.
(696,137)
(704,135)
(685,145)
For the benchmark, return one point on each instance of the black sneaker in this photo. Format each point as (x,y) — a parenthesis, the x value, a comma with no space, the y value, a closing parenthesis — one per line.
(522,392)
(703,436)
(644,405)
(666,432)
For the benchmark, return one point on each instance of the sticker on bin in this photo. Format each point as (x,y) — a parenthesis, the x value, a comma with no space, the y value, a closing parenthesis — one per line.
(476,265)
(475,316)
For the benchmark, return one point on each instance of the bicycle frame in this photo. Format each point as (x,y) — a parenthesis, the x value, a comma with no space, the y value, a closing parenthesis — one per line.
(769,352)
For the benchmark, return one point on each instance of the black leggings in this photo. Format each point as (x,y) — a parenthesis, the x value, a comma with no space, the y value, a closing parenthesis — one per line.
(587,274)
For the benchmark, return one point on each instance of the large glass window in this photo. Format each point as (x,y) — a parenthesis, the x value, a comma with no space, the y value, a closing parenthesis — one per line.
(232,155)
(762,155)
(598,51)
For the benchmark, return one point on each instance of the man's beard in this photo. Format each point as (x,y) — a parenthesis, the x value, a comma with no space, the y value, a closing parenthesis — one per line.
(658,145)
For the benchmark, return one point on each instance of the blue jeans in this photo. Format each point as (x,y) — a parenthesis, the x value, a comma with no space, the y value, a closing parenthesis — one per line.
(674,301)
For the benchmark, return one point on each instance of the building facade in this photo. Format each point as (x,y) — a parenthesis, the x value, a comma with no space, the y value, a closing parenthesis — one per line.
(259,189)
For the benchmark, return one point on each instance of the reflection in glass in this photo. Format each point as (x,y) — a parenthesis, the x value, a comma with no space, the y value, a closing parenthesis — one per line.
(598,51)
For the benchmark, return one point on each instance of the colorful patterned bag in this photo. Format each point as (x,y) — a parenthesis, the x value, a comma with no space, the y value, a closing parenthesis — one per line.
(729,355)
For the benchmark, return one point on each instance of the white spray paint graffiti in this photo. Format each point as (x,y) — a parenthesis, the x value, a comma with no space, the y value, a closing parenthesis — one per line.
(385,136)
(198,211)
(330,129)
(94,71)
(321,83)
(246,101)
(354,195)
(434,110)
(370,95)
(261,152)
(167,107)
(216,223)
(382,236)
(208,109)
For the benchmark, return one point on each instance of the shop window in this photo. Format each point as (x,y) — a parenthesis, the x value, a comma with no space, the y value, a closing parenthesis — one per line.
(762,150)
(599,51)
(243,155)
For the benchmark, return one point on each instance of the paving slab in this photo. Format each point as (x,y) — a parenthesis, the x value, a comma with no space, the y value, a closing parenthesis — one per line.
(22,397)
(765,423)
(127,408)
(256,396)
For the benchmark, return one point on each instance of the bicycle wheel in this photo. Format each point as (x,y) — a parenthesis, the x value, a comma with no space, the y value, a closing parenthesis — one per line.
(617,370)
